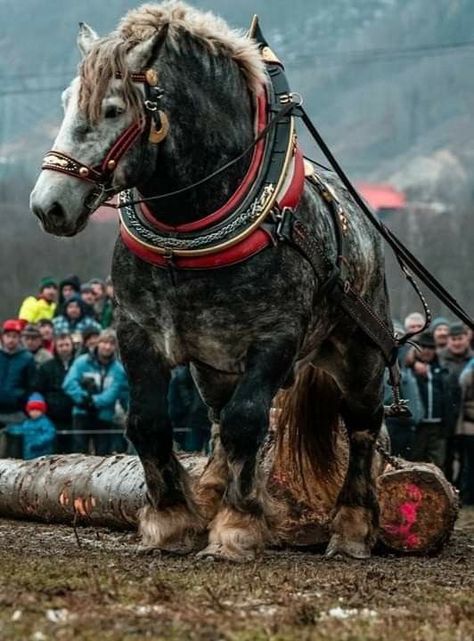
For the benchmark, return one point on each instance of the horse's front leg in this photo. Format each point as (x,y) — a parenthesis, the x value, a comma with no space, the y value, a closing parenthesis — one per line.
(170,520)
(242,525)
(356,515)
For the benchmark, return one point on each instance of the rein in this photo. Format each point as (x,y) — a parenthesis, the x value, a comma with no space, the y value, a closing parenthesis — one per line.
(404,257)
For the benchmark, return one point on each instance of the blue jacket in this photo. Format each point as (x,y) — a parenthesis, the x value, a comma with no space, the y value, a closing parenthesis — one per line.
(38,436)
(469,365)
(110,381)
(17,371)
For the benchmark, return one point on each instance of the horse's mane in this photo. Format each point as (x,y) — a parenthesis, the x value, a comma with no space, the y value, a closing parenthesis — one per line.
(108,55)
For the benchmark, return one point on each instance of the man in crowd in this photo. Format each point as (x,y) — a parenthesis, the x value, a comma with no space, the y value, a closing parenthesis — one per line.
(88,298)
(103,303)
(35,308)
(454,358)
(49,382)
(402,430)
(46,329)
(74,319)
(33,342)
(90,338)
(188,413)
(96,383)
(414,322)
(69,286)
(465,432)
(440,329)
(17,370)
(430,437)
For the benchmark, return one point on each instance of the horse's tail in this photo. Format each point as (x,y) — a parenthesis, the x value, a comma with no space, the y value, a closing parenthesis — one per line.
(307,425)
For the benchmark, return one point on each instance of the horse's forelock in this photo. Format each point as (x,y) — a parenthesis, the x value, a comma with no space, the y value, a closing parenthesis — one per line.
(107,58)
(209,30)
(109,55)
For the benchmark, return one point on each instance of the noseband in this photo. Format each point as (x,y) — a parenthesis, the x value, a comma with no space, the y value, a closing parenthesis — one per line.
(154,121)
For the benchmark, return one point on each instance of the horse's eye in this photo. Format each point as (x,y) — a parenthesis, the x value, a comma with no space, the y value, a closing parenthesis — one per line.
(113,112)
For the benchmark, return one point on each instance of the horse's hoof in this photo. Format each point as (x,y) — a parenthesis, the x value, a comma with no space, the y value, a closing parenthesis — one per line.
(147,550)
(192,543)
(174,530)
(219,552)
(340,547)
(173,549)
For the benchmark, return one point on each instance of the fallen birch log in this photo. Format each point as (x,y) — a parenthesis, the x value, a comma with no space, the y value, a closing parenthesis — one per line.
(418,506)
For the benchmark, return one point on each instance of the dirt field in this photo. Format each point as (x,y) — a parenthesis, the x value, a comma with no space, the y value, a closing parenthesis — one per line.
(90,585)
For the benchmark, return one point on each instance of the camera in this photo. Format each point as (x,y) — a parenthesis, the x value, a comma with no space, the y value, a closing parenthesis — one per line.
(89,384)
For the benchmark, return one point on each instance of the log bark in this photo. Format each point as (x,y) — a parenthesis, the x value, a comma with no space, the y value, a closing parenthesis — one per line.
(418,506)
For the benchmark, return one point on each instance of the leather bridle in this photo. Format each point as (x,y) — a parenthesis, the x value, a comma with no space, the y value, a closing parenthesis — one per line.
(154,124)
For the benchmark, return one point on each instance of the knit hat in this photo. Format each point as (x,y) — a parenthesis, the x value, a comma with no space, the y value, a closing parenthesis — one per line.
(425,339)
(440,320)
(31,330)
(71,280)
(47,281)
(97,281)
(36,402)
(12,325)
(457,329)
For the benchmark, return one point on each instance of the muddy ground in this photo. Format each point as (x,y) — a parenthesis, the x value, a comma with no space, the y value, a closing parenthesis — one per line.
(90,585)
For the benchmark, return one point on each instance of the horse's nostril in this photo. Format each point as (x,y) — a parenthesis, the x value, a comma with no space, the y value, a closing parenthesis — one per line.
(55,211)
(38,212)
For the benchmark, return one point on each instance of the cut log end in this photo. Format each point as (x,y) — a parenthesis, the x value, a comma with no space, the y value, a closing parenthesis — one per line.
(418,508)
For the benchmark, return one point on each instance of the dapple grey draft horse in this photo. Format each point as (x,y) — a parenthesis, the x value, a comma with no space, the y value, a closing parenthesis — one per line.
(192,124)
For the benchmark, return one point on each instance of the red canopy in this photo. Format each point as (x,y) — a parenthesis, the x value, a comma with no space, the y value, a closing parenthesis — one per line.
(380,196)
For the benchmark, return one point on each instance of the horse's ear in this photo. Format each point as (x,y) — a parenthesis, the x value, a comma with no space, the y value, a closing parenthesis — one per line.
(253,27)
(85,38)
(143,55)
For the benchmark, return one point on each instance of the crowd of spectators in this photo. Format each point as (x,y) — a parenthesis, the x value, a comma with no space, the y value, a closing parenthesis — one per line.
(437,378)
(63,388)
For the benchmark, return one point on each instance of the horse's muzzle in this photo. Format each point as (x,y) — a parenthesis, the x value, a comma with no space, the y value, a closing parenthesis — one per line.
(54,220)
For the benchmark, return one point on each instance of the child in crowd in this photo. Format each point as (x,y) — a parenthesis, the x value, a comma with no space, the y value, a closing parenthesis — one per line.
(37,432)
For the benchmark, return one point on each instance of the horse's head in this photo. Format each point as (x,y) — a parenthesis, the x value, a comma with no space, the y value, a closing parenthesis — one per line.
(97,151)
(166,67)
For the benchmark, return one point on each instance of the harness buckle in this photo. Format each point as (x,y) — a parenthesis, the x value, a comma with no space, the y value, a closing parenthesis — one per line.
(151,105)
(283,218)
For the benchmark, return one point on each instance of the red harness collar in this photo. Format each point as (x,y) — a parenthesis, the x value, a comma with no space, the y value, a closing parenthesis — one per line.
(288,196)
(248,222)
(251,245)
(236,198)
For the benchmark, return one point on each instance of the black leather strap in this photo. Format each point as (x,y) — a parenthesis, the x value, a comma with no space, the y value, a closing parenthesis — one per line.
(331,283)
(403,254)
